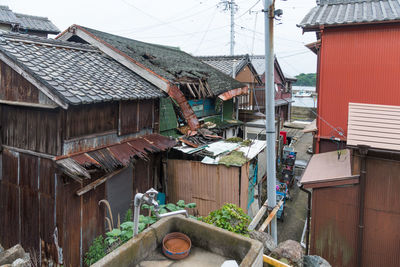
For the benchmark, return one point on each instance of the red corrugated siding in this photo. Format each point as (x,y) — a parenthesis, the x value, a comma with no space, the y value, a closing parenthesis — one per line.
(358,64)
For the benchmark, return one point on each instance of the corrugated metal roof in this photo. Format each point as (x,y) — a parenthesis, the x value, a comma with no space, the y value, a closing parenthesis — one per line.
(79,74)
(113,157)
(345,12)
(377,126)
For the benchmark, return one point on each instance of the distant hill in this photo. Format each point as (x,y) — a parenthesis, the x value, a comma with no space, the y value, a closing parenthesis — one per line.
(306,79)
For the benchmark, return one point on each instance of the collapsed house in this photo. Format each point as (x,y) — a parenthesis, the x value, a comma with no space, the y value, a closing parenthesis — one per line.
(195,89)
(22,23)
(71,119)
(355,200)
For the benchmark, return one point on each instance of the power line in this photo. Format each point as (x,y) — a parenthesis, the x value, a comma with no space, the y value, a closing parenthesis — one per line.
(205,33)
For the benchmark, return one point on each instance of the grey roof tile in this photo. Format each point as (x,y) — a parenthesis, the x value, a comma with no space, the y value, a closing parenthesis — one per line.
(170,63)
(36,23)
(80,74)
(347,12)
(7,16)
(226,63)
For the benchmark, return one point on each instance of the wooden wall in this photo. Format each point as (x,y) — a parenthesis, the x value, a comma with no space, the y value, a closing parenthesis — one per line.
(31,128)
(91,119)
(137,115)
(14,87)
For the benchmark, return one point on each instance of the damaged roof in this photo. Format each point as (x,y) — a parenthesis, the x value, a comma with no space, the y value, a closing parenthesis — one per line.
(170,63)
(27,22)
(348,12)
(76,73)
(113,157)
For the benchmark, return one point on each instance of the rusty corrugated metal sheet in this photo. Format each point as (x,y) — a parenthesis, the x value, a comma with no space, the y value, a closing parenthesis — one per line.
(381,242)
(209,186)
(234,92)
(113,157)
(188,113)
(356,65)
(377,126)
(334,225)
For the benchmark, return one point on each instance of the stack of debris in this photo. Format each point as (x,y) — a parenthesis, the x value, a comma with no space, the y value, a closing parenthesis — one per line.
(200,137)
(14,257)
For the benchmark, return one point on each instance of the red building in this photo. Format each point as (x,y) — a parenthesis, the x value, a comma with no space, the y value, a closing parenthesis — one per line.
(358,61)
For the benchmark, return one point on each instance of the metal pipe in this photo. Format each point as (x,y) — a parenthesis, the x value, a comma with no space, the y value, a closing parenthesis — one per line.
(270,110)
(363,173)
(308,218)
(172,213)
(137,202)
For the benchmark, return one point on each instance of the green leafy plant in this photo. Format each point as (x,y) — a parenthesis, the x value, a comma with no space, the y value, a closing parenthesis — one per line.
(97,250)
(128,216)
(230,217)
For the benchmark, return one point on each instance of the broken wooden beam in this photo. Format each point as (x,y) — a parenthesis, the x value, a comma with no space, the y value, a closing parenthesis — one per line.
(270,216)
(190,90)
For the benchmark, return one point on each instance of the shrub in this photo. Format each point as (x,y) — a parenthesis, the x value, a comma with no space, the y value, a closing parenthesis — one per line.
(96,251)
(230,217)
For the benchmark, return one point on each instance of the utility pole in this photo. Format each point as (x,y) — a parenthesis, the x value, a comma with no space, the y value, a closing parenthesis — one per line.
(269,14)
(232,3)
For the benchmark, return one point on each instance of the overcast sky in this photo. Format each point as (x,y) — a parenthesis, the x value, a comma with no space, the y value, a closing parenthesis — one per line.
(199,27)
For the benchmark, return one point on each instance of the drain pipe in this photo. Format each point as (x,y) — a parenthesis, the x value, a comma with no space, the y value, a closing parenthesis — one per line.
(363,173)
(308,218)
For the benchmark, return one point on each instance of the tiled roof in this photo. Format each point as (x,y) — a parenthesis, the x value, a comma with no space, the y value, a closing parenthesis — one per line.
(35,23)
(170,63)
(225,63)
(7,16)
(345,12)
(77,73)
(27,22)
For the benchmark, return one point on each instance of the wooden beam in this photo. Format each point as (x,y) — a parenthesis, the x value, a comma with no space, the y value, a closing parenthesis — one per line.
(190,89)
(270,216)
(195,89)
(208,88)
(29,152)
(27,104)
(253,224)
(98,182)
(274,262)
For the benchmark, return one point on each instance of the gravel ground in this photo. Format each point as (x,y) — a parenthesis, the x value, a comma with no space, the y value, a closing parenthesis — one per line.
(296,209)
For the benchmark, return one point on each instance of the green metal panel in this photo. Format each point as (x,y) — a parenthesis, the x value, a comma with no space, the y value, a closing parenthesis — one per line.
(168,119)
(228,109)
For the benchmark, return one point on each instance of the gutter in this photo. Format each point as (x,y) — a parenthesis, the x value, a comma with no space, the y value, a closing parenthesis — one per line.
(363,149)
(308,218)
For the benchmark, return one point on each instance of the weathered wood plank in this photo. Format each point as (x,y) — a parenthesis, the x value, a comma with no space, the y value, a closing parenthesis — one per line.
(270,217)
(253,224)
